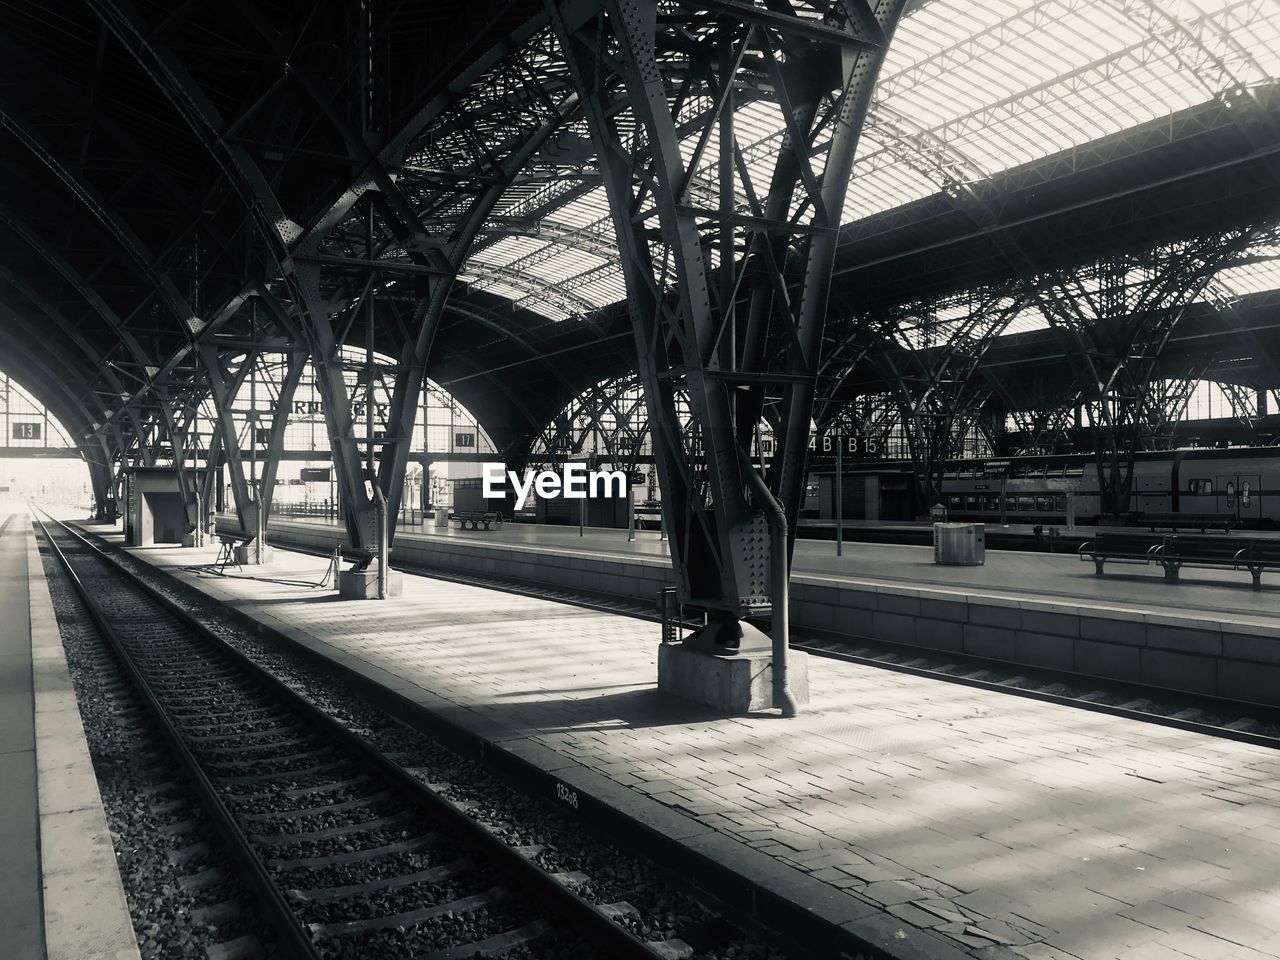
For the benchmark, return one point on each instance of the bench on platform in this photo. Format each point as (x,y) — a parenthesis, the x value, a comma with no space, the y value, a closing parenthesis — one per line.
(1256,556)
(1174,553)
(1121,547)
(471,519)
(1188,521)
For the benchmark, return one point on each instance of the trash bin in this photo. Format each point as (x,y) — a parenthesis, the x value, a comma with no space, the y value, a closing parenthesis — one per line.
(960,544)
(442,518)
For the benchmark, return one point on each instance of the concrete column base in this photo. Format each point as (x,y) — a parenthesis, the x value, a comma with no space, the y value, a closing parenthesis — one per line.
(363,584)
(736,683)
(247,556)
(189,540)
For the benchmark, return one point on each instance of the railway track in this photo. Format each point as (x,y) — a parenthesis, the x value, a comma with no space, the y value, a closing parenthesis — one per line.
(348,852)
(1244,723)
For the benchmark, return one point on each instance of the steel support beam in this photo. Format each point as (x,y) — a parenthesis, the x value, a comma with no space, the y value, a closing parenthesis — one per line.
(635,74)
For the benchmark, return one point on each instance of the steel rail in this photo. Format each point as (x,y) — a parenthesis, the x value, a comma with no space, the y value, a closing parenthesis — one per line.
(583,917)
(295,939)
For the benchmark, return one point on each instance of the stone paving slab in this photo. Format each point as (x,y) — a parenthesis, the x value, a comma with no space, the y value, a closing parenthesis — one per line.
(931,818)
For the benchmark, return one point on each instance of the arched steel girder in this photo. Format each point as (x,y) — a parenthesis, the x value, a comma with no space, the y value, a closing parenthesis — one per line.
(1150,12)
(163,288)
(144,164)
(482,317)
(597,242)
(71,331)
(49,253)
(1115,363)
(534,287)
(137,354)
(143,260)
(592,405)
(287,238)
(1145,14)
(43,381)
(68,329)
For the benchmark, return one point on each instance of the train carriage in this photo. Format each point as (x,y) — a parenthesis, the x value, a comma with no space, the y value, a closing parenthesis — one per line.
(1242,483)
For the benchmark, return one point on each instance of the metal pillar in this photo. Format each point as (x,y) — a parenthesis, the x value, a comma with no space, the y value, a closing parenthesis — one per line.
(1114,317)
(821,74)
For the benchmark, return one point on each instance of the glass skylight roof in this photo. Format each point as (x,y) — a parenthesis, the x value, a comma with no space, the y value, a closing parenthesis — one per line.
(969,88)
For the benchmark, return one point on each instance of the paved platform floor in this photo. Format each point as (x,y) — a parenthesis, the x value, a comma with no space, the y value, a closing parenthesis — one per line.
(1011,573)
(934,818)
(60,891)
(21,921)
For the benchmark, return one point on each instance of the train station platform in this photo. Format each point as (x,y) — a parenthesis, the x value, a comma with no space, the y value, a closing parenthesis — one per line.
(932,820)
(1210,634)
(60,885)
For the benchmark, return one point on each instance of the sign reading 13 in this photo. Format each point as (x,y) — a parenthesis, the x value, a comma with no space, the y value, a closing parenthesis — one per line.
(26,431)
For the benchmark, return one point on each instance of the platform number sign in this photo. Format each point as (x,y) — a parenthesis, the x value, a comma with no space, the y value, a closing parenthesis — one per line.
(464,439)
(824,447)
(26,430)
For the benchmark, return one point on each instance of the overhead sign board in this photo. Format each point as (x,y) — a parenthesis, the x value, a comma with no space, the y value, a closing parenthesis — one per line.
(26,430)
(823,448)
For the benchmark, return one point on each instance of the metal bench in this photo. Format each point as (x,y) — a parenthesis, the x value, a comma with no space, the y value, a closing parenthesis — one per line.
(1121,547)
(1188,521)
(471,519)
(1256,556)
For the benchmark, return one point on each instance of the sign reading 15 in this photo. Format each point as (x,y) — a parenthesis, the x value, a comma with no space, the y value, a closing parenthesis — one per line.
(854,444)
(26,431)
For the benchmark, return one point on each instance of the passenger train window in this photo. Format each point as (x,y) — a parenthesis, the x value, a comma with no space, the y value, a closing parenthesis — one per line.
(1201,487)
(1074,471)
(990,502)
(971,503)
(1060,503)
(1026,504)
(1044,503)
(1231,489)
(954,502)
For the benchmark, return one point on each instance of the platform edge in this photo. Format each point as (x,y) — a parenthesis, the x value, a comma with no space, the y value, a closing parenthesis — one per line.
(86,914)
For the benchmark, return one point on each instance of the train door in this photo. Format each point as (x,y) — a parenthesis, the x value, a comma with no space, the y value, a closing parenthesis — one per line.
(1226,490)
(1239,495)
(1249,489)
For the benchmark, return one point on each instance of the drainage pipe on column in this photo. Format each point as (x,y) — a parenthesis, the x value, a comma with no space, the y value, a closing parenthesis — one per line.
(380,508)
(259,541)
(779,588)
(199,532)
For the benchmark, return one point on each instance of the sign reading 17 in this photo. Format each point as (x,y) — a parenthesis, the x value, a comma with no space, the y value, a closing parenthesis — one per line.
(26,431)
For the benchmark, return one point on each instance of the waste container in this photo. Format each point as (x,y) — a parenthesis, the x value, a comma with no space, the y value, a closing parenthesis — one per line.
(960,544)
(442,518)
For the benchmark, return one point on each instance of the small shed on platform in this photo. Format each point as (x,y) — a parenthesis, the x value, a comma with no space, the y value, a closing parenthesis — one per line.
(156,506)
